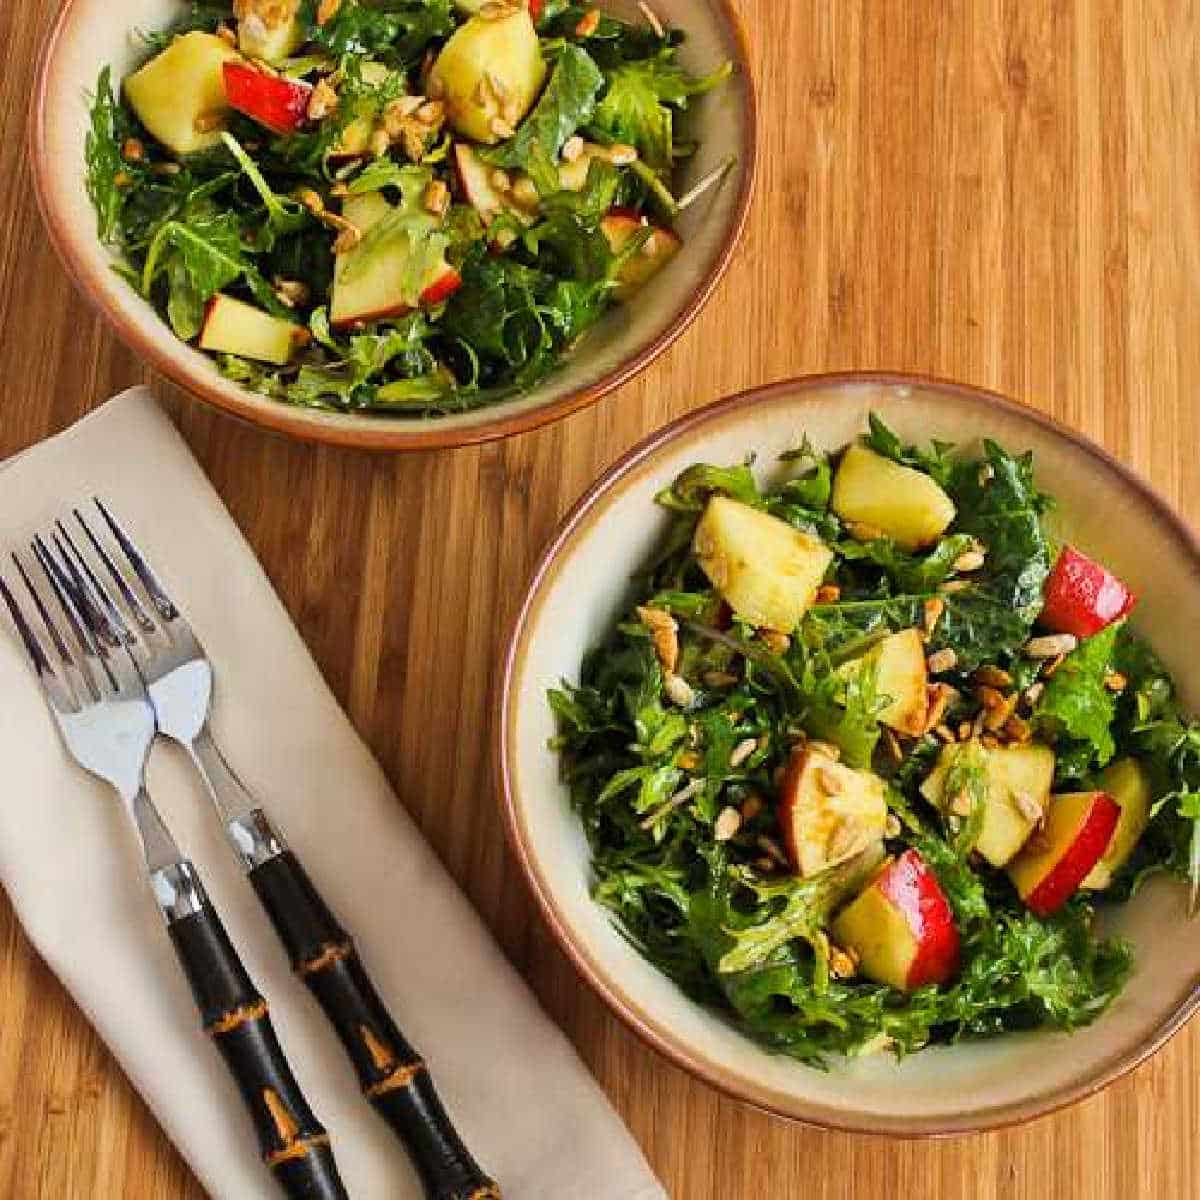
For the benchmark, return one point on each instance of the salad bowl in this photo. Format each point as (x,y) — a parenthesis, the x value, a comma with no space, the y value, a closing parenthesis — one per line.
(583,583)
(89,35)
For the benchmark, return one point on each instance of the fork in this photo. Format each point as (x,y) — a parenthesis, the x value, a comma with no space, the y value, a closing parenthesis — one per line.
(99,703)
(179,680)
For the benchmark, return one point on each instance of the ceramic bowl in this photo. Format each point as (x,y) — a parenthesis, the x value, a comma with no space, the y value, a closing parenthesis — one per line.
(580,587)
(91,33)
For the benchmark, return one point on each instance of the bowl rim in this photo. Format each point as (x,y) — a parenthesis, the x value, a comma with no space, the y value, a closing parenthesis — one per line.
(71,244)
(1107,1070)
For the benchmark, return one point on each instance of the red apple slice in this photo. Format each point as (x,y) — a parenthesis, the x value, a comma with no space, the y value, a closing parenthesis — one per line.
(234,327)
(828,812)
(1056,861)
(371,282)
(1081,597)
(901,926)
(1126,782)
(660,248)
(278,104)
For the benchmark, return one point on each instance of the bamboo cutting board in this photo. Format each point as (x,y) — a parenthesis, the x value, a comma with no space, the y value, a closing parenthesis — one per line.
(1004,192)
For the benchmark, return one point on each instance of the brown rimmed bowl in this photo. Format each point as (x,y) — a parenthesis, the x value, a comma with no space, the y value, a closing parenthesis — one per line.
(581,586)
(91,33)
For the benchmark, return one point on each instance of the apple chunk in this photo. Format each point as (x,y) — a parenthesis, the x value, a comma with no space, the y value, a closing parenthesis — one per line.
(902,503)
(660,247)
(375,279)
(767,571)
(475,182)
(1017,779)
(178,93)
(901,926)
(1050,868)
(269,29)
(1081,597)
(234,327)
(278,104)
(828,812)
(1126,782)
(490,73)
(900,677)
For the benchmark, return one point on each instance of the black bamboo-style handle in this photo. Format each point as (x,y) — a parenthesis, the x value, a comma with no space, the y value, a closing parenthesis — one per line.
(294,1144)
(393,1076)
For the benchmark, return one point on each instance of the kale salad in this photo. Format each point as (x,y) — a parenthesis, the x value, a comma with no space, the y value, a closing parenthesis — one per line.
(869,751)
(410,206)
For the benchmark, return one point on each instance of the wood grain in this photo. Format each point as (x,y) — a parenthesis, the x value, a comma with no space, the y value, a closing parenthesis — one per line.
(1002,191)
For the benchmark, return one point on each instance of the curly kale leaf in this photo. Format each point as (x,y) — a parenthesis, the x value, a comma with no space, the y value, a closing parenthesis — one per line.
(1000,504)
(1077,704)
(640,100)
(105,165)
(200,253)
(397,29)
(910,572)
(794,908)
(936,461)
(200,15)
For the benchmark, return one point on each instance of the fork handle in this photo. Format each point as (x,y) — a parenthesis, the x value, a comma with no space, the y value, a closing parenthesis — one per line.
(292,1142)
(393,1076)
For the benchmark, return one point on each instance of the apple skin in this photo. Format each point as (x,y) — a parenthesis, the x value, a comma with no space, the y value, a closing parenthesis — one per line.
(902,926)
(1081,597)
(280,105)
(1051,867)
(1127,783)
(442,288)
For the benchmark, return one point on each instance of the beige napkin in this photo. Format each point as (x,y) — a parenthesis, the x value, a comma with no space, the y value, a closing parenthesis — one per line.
(70,864)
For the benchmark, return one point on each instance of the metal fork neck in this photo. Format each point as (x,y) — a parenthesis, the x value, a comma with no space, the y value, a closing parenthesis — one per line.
(158,846)
(254,840)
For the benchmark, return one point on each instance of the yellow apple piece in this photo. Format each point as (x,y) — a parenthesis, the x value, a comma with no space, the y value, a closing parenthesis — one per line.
(489,74)
(828,812)
(234,327)
(179,95)
(269,29)
(900,678)
(1018,780)
(767,571)
(902,503)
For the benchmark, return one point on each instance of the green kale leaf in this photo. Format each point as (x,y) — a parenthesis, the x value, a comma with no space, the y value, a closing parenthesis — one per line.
(639,102)
(102,152)
(1077,704)
(398,30)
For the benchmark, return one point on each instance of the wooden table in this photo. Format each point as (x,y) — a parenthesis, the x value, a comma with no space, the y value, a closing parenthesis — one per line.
(1001,192)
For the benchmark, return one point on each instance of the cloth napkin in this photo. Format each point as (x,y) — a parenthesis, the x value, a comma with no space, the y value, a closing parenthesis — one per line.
(70,863)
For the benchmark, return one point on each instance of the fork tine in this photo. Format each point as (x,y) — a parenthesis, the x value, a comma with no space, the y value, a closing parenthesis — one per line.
(90,662)
(59,687)
(64,654)
(41,664)
(116,629)
(141,617)
(66,582)
(155,590)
